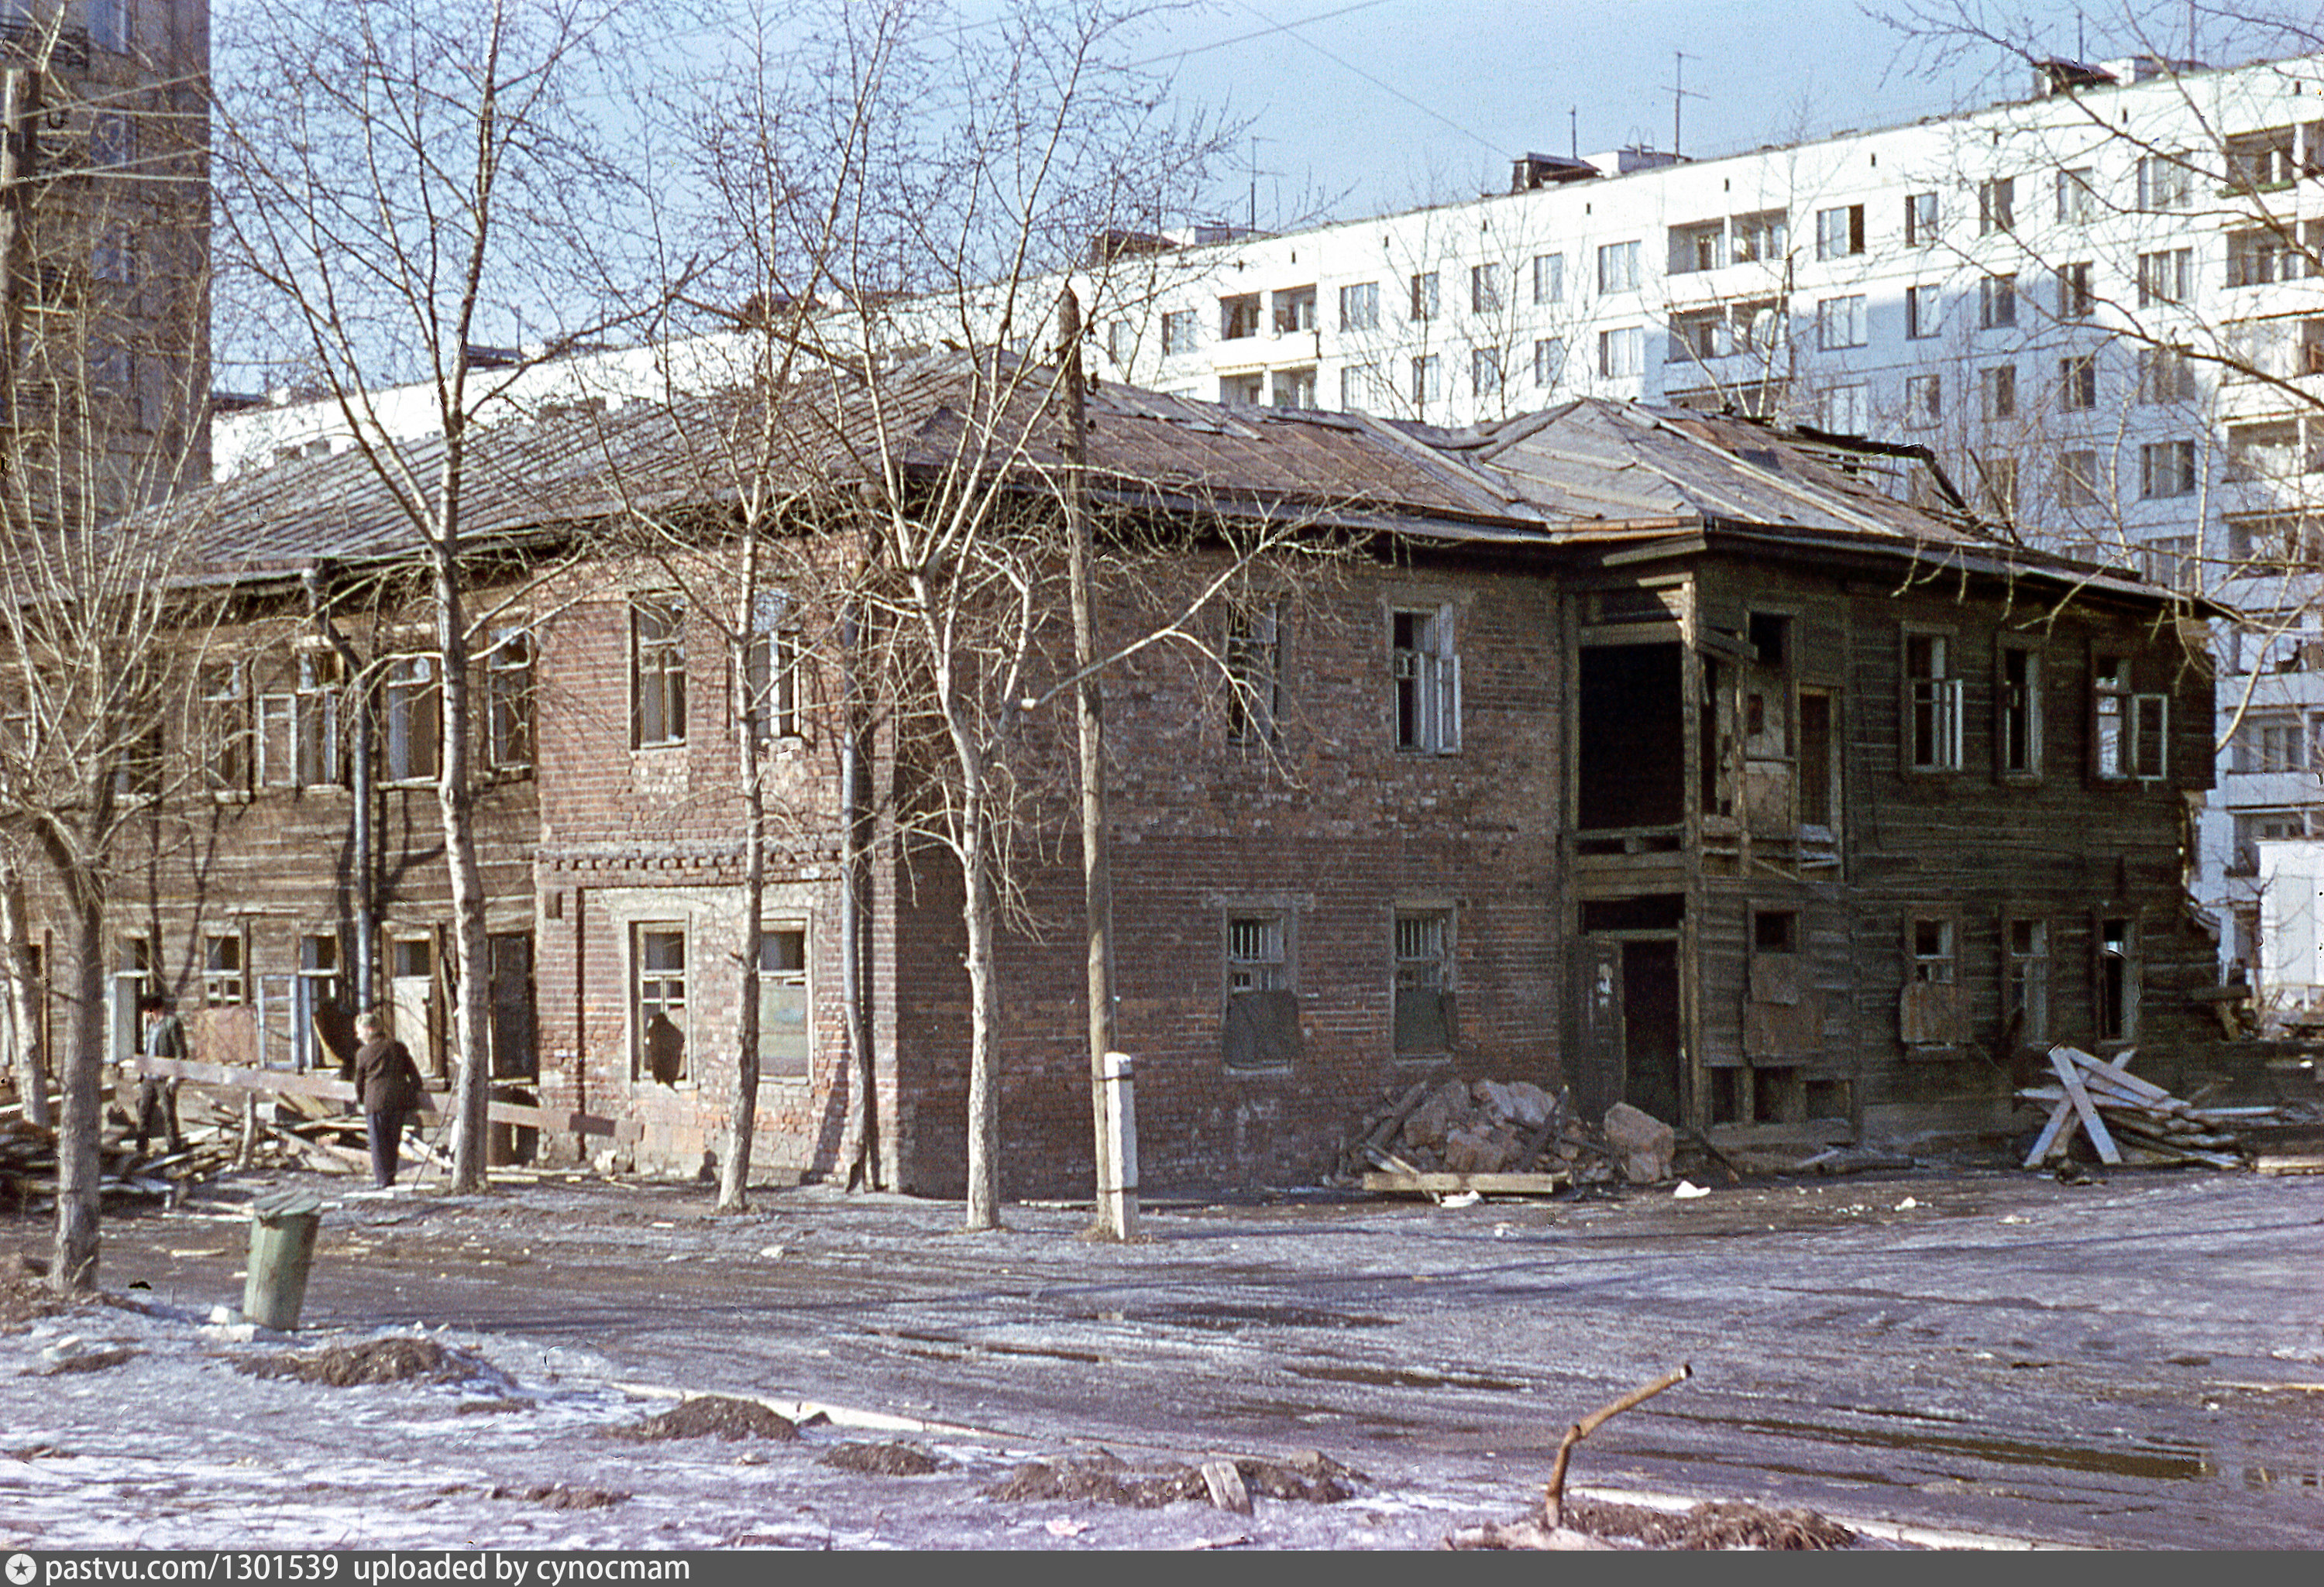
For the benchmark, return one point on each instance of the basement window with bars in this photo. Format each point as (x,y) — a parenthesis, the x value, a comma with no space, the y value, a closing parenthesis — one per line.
(1425,1025)
(1262,1005)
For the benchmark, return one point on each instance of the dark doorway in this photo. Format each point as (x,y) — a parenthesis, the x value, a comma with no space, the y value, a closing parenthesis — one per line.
(1650,1028)
(1632,750)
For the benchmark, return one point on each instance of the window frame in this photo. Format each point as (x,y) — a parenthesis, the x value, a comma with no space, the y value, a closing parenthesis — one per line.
(225,969)
(1258,958)
(410,719)
(2078,383)
(511,665)
(2018,718)
(1431,930)
(1359,306)
(1921,220)
(1840,231)
(658,663)
(229,736)
(1930,739)
(774,982)
(1425,675)
(2029,970)
(2116,1004)
(1924,313)
(1251,653)
(643,1006)
(1423,303)
(1842,317)
(1997,206)
(1997,300)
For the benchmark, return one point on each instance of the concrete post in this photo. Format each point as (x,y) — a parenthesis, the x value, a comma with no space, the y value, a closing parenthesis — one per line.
(1117,1202)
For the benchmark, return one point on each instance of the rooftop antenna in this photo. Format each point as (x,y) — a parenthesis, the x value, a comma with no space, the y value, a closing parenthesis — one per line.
(1573,130)
(1679,97)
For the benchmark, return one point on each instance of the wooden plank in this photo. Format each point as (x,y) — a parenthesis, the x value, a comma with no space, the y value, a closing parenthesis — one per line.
(2116,1070)
(1419,1184)
(2053,1136)
(330,1088)
(2092,1125)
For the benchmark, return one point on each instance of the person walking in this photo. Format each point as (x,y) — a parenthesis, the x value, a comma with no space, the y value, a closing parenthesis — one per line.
(161,1034)
(387,1088)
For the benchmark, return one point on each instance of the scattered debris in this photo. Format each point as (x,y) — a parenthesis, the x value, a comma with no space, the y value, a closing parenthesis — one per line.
(80,1360)
(562,1496)
(2101,1100)
(24,1294)
(398,1359)
(892,1459)
(1228,1490)
(1644,1146)
(1310,1478)
(711,1415)
(1688,1190)
(1597,1525)
(1554,1498)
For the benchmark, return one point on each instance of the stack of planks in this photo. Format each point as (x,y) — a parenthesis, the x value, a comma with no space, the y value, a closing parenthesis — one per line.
(2129,1120)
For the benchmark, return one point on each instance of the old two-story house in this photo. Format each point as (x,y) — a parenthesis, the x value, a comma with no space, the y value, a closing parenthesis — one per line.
(1737,772)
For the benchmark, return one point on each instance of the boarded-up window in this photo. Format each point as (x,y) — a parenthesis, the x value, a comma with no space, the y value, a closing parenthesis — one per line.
(1928,1013)
(1783,1010)
(1425,1010)
(1262,1012)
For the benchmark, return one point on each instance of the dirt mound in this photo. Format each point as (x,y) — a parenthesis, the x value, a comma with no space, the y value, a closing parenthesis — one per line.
(897,1459)
(24,1293)
(1104,1478)
(398,1360)
(559,1496)
(1712,1525)
(711,1415)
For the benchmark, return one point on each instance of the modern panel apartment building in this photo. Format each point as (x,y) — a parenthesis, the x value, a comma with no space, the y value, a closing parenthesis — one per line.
(2100,307)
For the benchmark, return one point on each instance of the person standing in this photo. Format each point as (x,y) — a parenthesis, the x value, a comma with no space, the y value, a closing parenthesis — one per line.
(161,1035)
(387,1088)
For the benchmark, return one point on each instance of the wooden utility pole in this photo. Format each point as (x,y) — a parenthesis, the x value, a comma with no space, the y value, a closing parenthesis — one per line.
(1116,1199)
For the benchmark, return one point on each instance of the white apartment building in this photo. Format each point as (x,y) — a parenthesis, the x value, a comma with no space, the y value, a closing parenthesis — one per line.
(2098,307)
(2101,308)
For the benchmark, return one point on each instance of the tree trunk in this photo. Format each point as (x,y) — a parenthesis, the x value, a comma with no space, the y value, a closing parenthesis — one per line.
(977,914)
(734,1173)
(72,1268)
(23,997)
(456,802)
(862,1110)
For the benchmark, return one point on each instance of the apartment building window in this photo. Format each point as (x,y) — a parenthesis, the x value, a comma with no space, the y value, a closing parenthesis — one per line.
(1427,672)
(1295,387)
(1923,312)
(2025,984)
(1920,219)
(657,673)
(2269,450)
(1360,389)
(2078,383)
(2165,181)
(2116,994)
(1424,1021)
(2078,200)
(1622,353)
(224,727)
(2078,479)
(770,670)
(1759,326)
(2173,561)
(1254,665)
(2273,742)
(2261,256)
(2260,161)
(1697,335)
(507,701)
(412,712)
(1840,232)
(1120,343)
(1997,205)
(1427,379)
(114,258)
(2283,346)
(1924,401)
(1932,705)
(1617,267)
(1484,289)
(1549,278)
(299,727)
(2076,300)
(2017,711)
(1840,323)
(1238,317)
(1997,302)
(1179,332)
(1424,295)
(224,980)
(1242,390)
(1696,247)
(1996,390)
(1548,361)
(1848,409)
(2165,276)
(1760,238)
(786,1033)
(2166,468)
(2276,543)
(657,1002)
(108,24)
(2130,732)
(1262,1003)
(1997,484)
(1359,306)
(1485,371)
(1294,311)
(2165,374)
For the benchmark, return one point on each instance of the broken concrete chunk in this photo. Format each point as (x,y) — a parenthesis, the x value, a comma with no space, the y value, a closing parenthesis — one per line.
(1643,1144)
(1228,1489)
(1433,1118)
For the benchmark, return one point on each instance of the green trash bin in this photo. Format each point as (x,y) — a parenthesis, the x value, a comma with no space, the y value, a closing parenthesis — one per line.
(282,1227)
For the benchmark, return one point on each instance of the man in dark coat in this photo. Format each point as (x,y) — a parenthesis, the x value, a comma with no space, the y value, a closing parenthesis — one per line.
(160,1036)
(387,1086)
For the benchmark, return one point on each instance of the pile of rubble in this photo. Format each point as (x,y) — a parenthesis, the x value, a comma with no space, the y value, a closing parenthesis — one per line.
(1506,1128)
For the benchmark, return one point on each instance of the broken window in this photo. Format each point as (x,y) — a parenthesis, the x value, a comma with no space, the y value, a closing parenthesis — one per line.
(1997,302)
(1997,205)
(1295,310)
(226,727)
(223,963)
(2025,981)
(2114,977)
(2078,383)
(1840,232)
(1238,317)
(1631,740)
(1617,267)
(1818,773)
(507,701)
(411,716)
(1262,1008)
(1427,674)
(1699,246)
(657,672)
(2130,734)
(1928,1013)
(1424,1021)
(1254,665)
(786,1039)
(658,957)
(1932,705)
(1920,219)
(1359,306)
(2017,711)
(1783,1010)
(1761,238)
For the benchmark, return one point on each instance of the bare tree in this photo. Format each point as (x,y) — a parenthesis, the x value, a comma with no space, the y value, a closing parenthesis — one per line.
(421,189)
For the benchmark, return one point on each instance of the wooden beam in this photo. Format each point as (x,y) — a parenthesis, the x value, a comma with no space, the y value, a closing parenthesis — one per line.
(332,1089)
(2091,1123)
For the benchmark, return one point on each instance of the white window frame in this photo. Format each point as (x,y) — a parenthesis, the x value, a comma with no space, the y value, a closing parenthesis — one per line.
(1425,670)
(1932,735)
